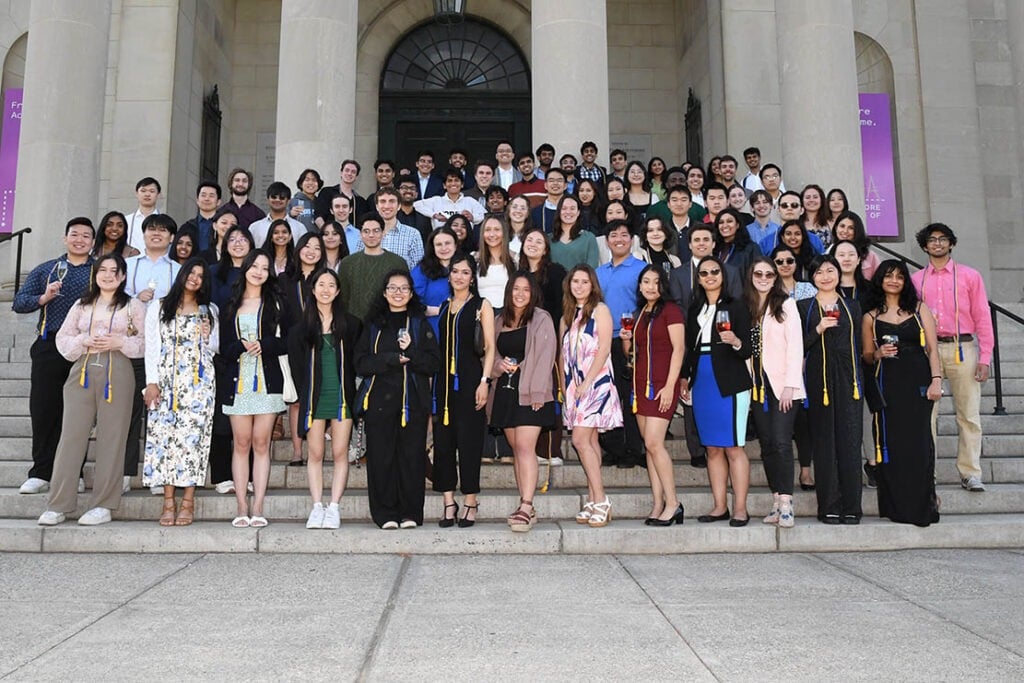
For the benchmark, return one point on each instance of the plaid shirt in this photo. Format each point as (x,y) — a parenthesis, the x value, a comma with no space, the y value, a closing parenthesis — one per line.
(593,173)
(404,241)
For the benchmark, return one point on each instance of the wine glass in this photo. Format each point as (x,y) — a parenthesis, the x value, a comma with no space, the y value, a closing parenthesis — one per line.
(722,321)
(403,332)
(61,272)
(511,361)
(627,321)
(832,310)
(894,340)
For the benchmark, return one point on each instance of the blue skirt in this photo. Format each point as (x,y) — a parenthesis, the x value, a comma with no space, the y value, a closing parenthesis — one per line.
(721,420)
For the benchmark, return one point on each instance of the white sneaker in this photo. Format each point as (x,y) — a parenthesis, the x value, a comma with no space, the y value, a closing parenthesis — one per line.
(316,517)
(389,525)
(332,517)
(156,490)
(34,485)
(51,518)
(555,461)
(249,488)
(408,524)
(225,487)
(95,517)
(126,484)
(81,485)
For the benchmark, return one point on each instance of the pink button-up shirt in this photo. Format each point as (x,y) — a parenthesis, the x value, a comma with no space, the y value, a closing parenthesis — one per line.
(935,287)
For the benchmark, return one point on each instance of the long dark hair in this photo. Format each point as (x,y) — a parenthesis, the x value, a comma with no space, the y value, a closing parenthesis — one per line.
(121,297)
(860,235)
(875,295)
(431,265)
(312,324)
(463,257)
(101,237)
(775,298)
(536,301)
(545,258)
(662,290)
(466,243)
(700,296)
(217,215)
(380,309)
(645,184)
(189,232)
(224,265)
(859,281)
(576,228)
(650,174)
(294,269)
(271,248)
(626,206)
(742,238)
(170,303)
(669,245)
(820,218)
(268,291)
(805,255)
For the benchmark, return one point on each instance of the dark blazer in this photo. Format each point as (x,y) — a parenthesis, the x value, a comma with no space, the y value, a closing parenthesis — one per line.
(231,349)
(322,203)
(307,384)
(729,365)
(680,284)
(435,186)
(383,366)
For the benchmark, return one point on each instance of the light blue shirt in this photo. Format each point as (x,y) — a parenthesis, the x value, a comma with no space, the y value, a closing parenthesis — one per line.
(619,286)
(143,270)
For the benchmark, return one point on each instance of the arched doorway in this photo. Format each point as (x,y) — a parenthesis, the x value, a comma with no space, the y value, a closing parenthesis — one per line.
(465,86)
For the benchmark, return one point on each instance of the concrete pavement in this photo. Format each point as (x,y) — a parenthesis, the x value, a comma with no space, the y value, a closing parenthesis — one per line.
(906,615)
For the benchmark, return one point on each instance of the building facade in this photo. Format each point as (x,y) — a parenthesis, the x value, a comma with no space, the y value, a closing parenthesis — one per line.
(115,90)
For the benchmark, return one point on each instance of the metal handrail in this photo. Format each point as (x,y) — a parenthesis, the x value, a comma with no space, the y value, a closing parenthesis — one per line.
(994,310)
(17,263)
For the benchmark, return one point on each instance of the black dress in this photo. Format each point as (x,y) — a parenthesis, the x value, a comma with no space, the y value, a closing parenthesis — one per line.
(506,412)
(902,429)
(833,362)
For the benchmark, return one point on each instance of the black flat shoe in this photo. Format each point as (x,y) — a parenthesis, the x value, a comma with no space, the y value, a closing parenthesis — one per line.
(851,519)
(676,518)
(447,522)
(806,487)
(736,522)
(830,519)
(700,462)
(297,463)
(704,519)
(650,520)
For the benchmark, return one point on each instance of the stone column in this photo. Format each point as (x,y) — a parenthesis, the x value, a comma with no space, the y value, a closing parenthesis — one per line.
(818,93)
(141,140)
(316,107)
(751,79)
(569,62)
(62,120)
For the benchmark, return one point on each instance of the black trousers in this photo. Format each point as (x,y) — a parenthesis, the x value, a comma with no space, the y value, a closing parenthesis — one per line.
(131,448)
(837,436)
(775,433)
(395,465)
(802,435)
(46,404)
(625,444)
(461,439)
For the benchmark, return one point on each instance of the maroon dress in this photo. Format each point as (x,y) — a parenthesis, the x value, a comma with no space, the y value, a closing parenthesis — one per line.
(649,376)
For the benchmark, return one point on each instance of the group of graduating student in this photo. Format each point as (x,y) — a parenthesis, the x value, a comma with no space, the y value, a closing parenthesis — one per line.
(493,336)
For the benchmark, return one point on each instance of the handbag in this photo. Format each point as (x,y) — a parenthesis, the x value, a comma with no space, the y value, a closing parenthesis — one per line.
(288,393)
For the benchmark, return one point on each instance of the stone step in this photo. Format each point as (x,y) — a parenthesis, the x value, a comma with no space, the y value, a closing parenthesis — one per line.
(1007,470)
(561,504)
(547,537)
(18,388)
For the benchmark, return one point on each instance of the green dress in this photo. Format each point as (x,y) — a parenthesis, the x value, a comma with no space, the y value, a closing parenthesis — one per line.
(329,397)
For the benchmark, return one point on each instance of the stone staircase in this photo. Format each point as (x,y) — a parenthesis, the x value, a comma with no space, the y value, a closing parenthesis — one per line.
(991,519)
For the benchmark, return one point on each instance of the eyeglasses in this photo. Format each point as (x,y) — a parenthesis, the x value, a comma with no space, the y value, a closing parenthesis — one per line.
(238,240)
(772,176)
(371,231)
(785,261)
(789,206)
(709,273)
(278,196)
(764,275)
(938,239)
(397,289)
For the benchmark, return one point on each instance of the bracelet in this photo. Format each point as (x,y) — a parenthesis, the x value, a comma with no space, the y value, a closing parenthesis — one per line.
(936,376)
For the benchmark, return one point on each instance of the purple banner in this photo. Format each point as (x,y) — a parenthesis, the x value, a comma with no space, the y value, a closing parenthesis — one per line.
(880,217)
(10,131)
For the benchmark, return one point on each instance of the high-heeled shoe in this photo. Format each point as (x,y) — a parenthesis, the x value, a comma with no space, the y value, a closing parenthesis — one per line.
(805,486)
(447,522)
(465,522)
(676,518)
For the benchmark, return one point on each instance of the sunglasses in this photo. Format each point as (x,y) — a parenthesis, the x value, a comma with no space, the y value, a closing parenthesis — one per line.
(789,206)
(785,261)
(709,273)
(764,275)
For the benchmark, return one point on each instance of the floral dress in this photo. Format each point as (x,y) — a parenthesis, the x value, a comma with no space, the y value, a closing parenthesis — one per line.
(178,430)
(600,407)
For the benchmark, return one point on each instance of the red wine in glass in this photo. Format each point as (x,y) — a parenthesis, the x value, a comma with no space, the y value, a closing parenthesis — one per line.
(722,322)
(627,321)
(832,311)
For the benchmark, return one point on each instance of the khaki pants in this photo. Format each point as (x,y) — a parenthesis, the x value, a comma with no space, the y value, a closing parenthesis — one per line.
(82,408)
(967,399)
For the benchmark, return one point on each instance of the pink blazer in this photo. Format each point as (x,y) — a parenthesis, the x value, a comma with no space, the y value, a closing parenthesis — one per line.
(782,348)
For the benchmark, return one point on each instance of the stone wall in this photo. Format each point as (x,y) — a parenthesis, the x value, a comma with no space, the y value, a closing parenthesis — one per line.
(643,90)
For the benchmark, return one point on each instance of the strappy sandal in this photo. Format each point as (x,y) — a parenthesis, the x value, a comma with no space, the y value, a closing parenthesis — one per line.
(187,512)
(602,514)
(167,516)
(583,516)
(521,520)
(465,522)
(447,522)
